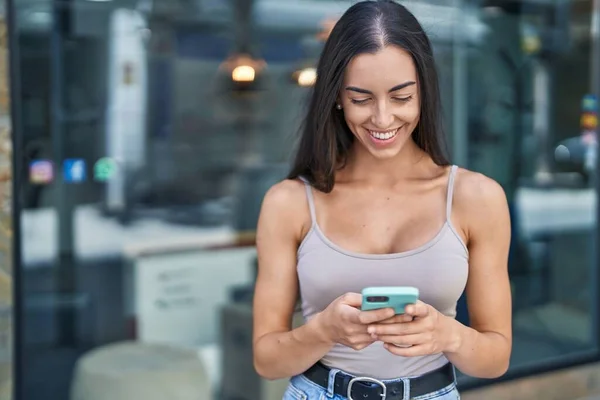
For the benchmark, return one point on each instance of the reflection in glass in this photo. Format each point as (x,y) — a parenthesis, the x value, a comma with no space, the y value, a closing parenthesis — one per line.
(138,268)
(521,111)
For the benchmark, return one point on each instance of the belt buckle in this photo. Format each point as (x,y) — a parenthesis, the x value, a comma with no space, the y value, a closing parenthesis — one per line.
(366,379)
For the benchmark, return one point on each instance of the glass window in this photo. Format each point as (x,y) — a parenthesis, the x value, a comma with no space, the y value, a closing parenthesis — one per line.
(150,131)
(531,125)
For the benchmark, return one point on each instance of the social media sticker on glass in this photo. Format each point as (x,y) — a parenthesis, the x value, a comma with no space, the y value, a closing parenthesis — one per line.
(104,169)
(74,170)
(41,172)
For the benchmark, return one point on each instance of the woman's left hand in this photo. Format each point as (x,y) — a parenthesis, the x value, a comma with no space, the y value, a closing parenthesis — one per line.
(422,330)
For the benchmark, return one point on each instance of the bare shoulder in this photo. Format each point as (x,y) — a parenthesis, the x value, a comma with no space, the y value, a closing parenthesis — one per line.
(479,201)
(285,209)
(478,192)
(285,197)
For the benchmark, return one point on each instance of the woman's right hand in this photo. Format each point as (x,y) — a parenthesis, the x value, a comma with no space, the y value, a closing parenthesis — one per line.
(343,322)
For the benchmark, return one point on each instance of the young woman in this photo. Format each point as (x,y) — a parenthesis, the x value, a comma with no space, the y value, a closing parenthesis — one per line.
(372,201)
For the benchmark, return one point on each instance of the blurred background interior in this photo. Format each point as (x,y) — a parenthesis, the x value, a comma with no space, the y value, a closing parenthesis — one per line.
(147,131)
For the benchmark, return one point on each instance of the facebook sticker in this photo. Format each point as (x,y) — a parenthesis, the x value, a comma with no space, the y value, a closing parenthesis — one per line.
(74,170)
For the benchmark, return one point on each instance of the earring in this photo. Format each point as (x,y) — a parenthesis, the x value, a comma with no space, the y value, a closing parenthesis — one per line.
(338,106)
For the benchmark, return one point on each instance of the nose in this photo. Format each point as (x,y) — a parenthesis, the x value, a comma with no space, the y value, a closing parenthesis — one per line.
(382,116)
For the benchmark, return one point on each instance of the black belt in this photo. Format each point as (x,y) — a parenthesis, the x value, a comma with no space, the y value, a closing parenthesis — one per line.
(369,389)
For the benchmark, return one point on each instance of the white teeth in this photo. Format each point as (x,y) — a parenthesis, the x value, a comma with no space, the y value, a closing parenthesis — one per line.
(384,135)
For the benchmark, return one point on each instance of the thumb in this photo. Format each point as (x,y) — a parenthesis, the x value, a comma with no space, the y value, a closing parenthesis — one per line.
(419,310)
(352,299)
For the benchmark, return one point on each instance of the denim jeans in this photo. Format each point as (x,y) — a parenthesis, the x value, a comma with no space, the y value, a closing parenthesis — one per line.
(300,388)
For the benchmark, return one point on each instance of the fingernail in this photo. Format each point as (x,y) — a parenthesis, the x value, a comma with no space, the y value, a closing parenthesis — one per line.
(371,330)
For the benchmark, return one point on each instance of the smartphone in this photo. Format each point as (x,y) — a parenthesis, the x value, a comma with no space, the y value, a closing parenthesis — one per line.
(396,297)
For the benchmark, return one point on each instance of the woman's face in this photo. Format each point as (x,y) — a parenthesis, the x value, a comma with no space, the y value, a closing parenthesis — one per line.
(380,100)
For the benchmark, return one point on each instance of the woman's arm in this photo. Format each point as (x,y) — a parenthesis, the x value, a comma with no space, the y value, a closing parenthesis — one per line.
(483,349)
(278,351)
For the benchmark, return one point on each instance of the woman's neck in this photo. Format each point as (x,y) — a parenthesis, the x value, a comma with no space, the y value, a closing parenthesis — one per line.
(363,166)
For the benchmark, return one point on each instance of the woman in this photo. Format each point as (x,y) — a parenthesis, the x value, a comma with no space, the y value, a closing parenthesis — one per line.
(372,201)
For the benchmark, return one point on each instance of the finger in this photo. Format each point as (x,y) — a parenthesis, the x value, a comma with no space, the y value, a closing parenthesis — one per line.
(372,316)
(357,329)
(412,351)
(406,328)
(358,342)
(419,309)
(403,340)
(398,319)
(352,299)
(361,339)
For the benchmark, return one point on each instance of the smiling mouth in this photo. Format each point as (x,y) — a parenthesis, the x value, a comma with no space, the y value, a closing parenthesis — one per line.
(384,135)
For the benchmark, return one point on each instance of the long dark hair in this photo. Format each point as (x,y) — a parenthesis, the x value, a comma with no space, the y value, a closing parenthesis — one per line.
(366,27)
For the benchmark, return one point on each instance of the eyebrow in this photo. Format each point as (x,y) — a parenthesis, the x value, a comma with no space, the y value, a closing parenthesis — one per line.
(365,91)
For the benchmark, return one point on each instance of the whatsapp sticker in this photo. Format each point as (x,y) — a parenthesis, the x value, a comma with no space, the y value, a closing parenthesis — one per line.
(104,169)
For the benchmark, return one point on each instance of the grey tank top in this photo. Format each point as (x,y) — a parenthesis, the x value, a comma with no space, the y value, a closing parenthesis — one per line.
(438,268)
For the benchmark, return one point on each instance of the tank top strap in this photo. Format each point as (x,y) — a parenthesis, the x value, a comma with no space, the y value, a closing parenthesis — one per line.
(311,200)
(450,193)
